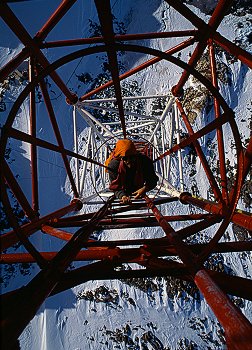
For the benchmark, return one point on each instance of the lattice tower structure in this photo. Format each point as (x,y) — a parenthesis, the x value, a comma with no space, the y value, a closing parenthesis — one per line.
(157,136)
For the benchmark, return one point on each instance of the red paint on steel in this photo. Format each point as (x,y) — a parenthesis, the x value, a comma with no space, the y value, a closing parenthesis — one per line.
(148,215)
(238,330)
(145,221)
(148,255)
(18,314)
(8,239)
(230,47)
(139,68)
(61,10)
(56,130)
(19,236)
(10,66)
(17,191)
(52,231)
(244,56)
(239,218)
(198,134)
(214,22)
(233,285)
(124,37)
(13,22)
(173,237)
(104,250)
(106,20)
(19,135)
(201,155)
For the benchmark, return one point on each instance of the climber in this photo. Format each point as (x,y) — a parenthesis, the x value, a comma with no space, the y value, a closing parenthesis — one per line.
(130,172)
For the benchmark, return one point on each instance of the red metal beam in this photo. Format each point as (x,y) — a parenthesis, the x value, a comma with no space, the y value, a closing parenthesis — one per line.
(215,297)
(234,196)
(19,135)
(13,222)
(127,220)
(114,215)
(244,56)
(218,130)
(10,66)
(92,50)
(166,226)
(230,47)
(65,236)
(61,10)
(213,23)
(8,239)
(182,250)
(124,37)
(17,191)
(110,250)
(209,174)
(12,21)
(239,218)
(41,34)
(17,314)
(106,21)
(147,215)
(233,285)
(139,68)
(230,284)
(58,135)
(183,233)
(238,330)
(198,134)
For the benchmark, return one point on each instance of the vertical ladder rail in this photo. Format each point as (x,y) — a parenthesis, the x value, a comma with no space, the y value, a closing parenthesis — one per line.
(177,125)
(84,170)
(170,143)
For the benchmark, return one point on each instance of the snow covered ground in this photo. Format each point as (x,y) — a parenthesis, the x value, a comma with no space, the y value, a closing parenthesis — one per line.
(154,314)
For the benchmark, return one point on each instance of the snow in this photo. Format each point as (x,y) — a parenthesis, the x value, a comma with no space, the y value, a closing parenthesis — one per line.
(64,321)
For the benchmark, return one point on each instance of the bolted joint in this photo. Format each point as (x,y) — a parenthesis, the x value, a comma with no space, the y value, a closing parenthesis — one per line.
(176,92)
(183,195)
(78,204)
(74,99)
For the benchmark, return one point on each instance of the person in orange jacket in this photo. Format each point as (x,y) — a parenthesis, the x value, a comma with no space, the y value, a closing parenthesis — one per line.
(131,173)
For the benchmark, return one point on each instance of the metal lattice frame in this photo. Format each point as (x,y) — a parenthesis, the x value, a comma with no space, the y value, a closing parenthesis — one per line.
(148,253)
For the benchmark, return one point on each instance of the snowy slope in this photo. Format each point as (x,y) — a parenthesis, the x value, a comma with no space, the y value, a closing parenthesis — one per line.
(121,315)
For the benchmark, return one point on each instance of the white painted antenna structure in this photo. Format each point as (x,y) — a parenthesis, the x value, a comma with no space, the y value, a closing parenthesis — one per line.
(159,132)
